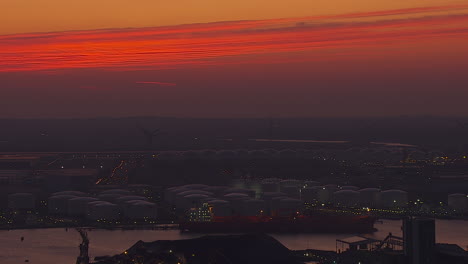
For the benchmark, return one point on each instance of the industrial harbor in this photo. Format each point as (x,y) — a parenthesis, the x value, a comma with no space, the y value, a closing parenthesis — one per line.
(356,198)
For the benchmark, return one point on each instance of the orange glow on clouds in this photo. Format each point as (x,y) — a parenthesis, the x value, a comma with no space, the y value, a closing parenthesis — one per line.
(355,35)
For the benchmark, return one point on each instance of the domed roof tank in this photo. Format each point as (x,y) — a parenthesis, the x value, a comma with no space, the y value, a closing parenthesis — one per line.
(59,204)
(346,198)
(369,197)
(103,211)
(140,210)
(21,201)
(394,198)
(79,206)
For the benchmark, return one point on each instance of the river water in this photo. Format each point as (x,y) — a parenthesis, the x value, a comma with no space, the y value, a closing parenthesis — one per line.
(46,246)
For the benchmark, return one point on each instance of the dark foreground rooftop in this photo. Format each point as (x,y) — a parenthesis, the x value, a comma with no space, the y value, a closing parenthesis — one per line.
(232,249)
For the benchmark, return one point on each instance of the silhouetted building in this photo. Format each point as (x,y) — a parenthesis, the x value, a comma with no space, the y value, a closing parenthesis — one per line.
(419,237)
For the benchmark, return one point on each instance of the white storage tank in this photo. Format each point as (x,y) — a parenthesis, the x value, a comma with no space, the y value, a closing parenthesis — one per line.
(289,206)
(195,186)
(291,182)
(311,183)
(270,195)
(124,199)
(193,200)
(236,196)
(181,201)
(253,207)
(103,211)
(394,198)
(91,204)
(109,197)
(185,193)
(236,199)
(79,206)
(140,189)
(170,193)
(270,187)
(458,202)
(21,201)
(346,198)
(59,204)
(349,187)
(268,198)
(325,193)
(139,210)
(249,192)
(310,194)
(291,191)
(369,197)
(116,191)
(216,190)
(74,193)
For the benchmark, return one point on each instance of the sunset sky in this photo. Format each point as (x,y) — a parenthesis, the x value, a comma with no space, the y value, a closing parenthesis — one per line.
(239,58)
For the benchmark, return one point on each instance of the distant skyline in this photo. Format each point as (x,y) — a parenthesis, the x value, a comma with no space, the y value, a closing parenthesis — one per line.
(241,59)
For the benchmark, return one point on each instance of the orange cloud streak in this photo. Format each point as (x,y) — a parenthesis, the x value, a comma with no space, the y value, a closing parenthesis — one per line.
(158,83)
(229,42)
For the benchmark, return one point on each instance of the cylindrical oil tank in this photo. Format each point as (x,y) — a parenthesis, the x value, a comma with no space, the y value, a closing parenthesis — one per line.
(249,192)
(74,193)
(193,200)
(180,201)
(309,194)
(349,187)
(195,186)
(21,201)
(291,191)
(458,202)
(235,196)
(116,191)
(79,206)
(270,187)
(253,207)
(369,197)
(291,182)
(103,211)
(394,198)
(140,189)
(91,204)
(109,197)
(170,194)
(325,193)
(289,206)
(139,210)
(216,190)
(220,208)
(268,198)
(185,193)
(123,199)
(236,199)
(346,198)
(311,183)
(59,204)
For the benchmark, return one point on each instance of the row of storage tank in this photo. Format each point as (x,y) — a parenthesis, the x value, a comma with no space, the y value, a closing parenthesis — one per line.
(226,201)
(273,192)
(353,153)
(108,205)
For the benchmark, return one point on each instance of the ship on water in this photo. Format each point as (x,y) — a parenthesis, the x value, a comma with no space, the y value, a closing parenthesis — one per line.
(297,223)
